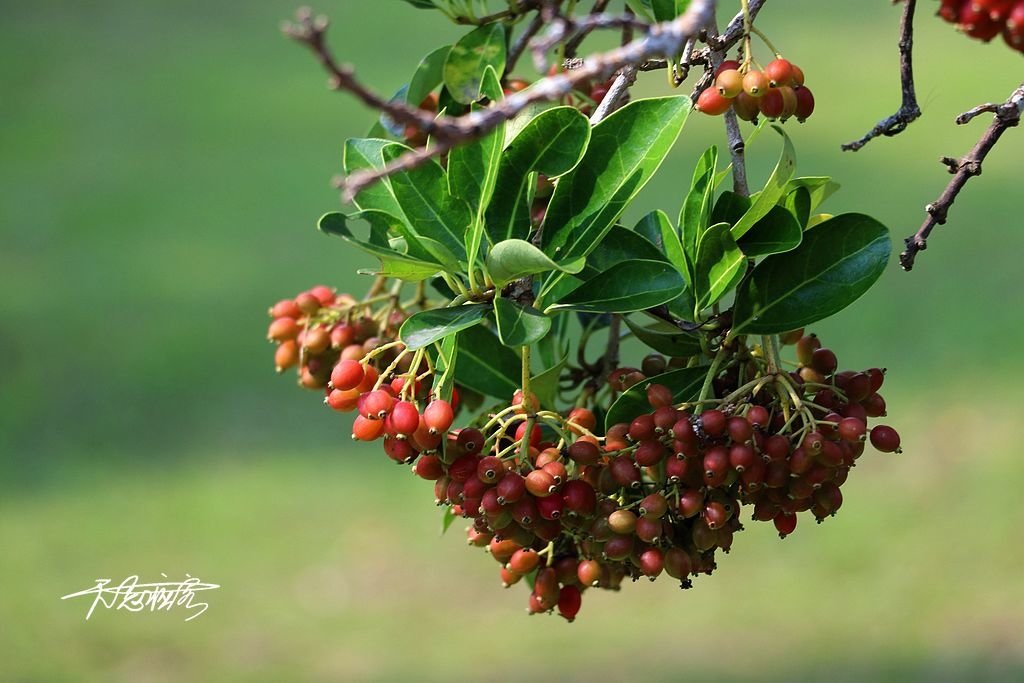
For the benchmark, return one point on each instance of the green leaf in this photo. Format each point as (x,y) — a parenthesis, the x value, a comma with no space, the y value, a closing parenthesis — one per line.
(473,169)
(776,233)
(552,143)
(628,286)
(429,75)
(832,268)
(773,190)
(729,207)
(468,59)
(393,263)
(696,212)
(666,338)
(484,364)
(430,209)
(519,325)
(512,259)
(624,152)
(720,265)
(447,519)
(685,385)
(368,153)
(820,188)
(666,10)
(620,244)
(422,4)
(426,327)
(798,203)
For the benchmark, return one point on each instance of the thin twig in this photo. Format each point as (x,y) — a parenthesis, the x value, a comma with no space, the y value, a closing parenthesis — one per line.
(523,7)
(1007,115)
(517,49)
(909,110)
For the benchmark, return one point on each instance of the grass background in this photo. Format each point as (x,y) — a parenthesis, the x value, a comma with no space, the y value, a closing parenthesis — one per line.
(162,167)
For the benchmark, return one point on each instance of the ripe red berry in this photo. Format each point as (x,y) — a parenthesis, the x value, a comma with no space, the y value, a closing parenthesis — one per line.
(716,466)
(727,65)
(625,472)
(804,103)
(438,416)
(579,497)
(742,457)
(740,429)
(659,395)
(348,374)
(364,429)
(779,72)
(785,523)
(376,404)
(584,452)
(511,488)
(490,469)
(569,602)
(283,329)
(851,429)
(677,563)
(712,103)
(540,483)
(691,502)
(404,418)
(885,439)
(654,506)
(746,107)
(713,422)
(429,467)
(650,453)
(523,561)
(652,562)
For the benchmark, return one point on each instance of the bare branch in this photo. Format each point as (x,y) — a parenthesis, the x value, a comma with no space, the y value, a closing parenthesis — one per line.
(517,49)
(909,110)
(618,89)
(1007,115)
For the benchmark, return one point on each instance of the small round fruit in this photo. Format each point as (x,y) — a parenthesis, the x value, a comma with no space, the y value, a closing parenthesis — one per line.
(779,72)
(885,438)
(729,83)
(756,83)
(712,103)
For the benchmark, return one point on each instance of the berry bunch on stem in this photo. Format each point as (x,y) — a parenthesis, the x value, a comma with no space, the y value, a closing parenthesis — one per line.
(503,261)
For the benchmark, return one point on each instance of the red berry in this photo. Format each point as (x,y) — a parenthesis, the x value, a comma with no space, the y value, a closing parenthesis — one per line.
(376,404)
(804,103)
(569,601)
(490,469)
(712,103)
(785,523)
(348,374)
(579,497)
(755,83)
(659,395)
(540,483)
(364,429)
(729,83)
(779,72)
(405,418)
(885,438)
(652,562)
(713,422)
(584,452)
(438,416)
(283,329)
(511,488)
(654,506)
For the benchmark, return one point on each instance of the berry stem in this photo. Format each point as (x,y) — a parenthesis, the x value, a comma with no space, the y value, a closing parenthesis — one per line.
(757,32)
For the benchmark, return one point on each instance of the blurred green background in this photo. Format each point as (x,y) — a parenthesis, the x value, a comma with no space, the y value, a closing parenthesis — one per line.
(162,166)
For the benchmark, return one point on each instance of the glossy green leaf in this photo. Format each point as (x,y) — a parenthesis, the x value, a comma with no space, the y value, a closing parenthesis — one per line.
(470,56)
(773,190)
(426,327)
(628,286)
(620,244)
(512,259)
(665,338)
(519,325)
(819,187)
(473,169)
(422,4)
(696,212)
(484,364)
(430,209)
(658,223)
(798,203)
(720,265)
(429,75)
(552,143)
(368,153)
(729,208)
(624,152)
(685,385)
(775,233)
(836,263)
(394,263)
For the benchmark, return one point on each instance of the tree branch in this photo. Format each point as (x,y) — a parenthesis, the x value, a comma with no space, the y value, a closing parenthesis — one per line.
(909,110)
(1007,115)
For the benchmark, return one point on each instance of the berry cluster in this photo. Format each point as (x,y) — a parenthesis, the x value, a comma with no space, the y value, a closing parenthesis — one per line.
(555,502)
(320,328)
(777,92)
(986,19)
